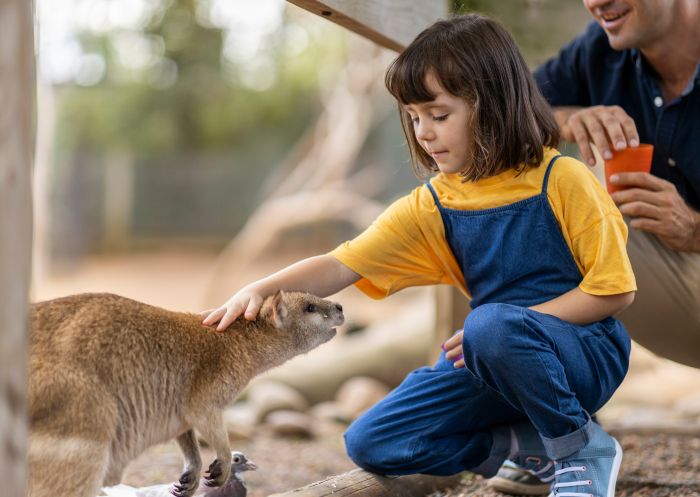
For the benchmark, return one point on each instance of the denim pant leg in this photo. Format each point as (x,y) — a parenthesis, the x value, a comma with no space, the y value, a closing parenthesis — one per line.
(438,422)
(553,371)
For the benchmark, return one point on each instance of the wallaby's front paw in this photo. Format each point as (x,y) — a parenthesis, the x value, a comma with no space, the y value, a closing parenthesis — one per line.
(216,476)
(187,485)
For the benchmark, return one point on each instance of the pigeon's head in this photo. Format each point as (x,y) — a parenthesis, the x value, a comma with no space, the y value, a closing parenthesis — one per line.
(240,463)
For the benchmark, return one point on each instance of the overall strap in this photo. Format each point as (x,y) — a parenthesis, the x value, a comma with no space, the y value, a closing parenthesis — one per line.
(435,197)
(546,175)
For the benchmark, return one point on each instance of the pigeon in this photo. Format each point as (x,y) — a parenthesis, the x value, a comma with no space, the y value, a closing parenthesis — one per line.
(235,486)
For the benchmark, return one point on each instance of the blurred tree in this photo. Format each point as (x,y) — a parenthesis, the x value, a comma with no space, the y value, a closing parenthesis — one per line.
(168,87)
(539,26)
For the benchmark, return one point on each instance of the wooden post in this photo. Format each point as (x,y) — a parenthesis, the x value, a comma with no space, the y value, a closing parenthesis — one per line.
(16,142)
(389,23)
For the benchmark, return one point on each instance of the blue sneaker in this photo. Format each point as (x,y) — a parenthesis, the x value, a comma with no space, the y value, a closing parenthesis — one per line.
(592,471)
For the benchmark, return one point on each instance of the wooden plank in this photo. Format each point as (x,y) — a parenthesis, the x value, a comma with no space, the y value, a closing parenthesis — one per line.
(389,23)
(16,142)
(362,483)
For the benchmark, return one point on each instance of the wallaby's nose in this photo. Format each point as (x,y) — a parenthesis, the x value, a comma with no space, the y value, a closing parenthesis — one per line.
(339,307)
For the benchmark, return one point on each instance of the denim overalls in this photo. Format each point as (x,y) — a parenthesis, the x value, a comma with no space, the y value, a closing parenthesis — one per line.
(520,364)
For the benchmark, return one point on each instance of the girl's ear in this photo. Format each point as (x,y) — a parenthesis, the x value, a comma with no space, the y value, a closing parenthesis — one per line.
(279,310)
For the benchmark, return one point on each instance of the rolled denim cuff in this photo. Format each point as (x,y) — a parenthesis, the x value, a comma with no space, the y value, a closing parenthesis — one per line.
(499,452)
(561,447)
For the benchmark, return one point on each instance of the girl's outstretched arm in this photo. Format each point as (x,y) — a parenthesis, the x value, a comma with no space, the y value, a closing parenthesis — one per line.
(579,307)
(322,275)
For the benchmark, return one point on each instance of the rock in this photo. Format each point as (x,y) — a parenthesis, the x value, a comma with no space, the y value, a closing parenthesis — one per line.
(358,394)
(270,396)
(288,423)
(329,411)
(240,420)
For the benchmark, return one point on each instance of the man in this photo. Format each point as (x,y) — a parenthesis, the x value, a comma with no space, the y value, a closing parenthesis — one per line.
(634,76)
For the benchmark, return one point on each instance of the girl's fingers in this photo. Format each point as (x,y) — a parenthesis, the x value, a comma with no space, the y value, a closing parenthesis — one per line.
(253,307)
(212,315)
(459,364)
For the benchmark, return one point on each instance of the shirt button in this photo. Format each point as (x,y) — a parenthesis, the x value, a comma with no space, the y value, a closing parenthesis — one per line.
(671,162)
(658,101)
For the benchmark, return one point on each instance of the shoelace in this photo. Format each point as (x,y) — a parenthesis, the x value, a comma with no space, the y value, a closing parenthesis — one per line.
(546,468)
(571,484)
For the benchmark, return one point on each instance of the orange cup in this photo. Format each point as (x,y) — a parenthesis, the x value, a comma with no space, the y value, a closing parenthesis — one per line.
(629,160)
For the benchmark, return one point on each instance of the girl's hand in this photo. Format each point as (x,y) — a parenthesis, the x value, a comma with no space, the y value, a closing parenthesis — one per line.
(245,302)
(453,349)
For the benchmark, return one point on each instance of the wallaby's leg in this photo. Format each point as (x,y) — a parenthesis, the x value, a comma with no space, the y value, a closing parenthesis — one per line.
(211,426)
(193,465)
(66,466)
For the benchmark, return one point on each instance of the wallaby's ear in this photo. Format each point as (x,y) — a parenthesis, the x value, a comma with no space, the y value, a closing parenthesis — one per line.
(279,310)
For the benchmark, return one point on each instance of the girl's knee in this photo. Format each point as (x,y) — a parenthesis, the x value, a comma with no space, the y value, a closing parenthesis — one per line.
(490,328)
(384,455)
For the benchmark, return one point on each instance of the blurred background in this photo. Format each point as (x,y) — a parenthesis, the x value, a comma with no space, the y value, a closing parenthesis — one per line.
(187,147)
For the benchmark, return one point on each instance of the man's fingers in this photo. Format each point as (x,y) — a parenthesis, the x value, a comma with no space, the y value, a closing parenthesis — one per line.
(582,138)
(597,133)
(630,195)
(642,180)
(628,126)
(613,130)
(642,209)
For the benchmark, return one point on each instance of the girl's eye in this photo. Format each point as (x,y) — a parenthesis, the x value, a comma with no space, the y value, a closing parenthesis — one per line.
(440,118)
(414,120)
(310,308)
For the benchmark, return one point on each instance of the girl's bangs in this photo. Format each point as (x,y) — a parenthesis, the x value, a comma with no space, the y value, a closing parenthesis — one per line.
(405,79)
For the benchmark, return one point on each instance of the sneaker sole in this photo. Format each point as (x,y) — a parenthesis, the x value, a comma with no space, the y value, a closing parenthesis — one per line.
(615,469)
(511,487)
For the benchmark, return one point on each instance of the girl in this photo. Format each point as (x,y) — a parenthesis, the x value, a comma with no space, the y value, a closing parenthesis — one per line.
(530,235)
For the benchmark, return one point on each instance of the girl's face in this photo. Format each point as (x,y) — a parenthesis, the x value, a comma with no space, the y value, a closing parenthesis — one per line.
(441,127)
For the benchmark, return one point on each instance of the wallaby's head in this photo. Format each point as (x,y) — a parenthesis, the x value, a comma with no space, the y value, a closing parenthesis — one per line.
(306,320)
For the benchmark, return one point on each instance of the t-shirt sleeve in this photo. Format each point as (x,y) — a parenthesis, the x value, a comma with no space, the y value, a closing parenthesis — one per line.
(394,252)
(593,227)
(563,78)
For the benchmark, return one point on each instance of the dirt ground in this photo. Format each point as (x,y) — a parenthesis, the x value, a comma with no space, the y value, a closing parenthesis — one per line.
(653,466)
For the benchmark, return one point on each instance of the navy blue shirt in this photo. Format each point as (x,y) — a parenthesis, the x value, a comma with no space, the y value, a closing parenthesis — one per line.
(589,72)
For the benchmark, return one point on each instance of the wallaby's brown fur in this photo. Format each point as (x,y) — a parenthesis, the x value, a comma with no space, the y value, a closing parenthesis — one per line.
(110,376)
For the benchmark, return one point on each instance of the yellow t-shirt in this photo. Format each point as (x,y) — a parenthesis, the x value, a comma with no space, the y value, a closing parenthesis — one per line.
(406,245)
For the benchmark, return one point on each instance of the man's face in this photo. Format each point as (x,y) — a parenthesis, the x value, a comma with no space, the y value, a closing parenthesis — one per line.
(632,23)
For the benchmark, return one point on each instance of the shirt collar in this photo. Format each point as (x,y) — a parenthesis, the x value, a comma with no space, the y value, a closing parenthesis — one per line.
(645,69)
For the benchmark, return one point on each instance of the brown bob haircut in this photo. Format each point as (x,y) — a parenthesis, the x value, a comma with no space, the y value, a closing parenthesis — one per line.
(474,57)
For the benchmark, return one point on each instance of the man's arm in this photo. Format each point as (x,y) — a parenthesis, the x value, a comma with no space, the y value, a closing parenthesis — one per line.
(655,206)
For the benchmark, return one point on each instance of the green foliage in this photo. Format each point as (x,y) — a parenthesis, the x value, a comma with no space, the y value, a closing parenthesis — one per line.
(186,96)
(540,27)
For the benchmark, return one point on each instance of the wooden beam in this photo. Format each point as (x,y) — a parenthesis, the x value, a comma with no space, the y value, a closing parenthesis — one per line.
(390,23)
(16,144)
(360,483)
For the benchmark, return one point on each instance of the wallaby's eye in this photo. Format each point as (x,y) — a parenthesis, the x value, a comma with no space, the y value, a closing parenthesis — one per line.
(310,308)
(236,459)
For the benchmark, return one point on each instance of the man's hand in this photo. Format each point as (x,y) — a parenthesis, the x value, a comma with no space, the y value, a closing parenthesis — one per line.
(601,125)
(654,205)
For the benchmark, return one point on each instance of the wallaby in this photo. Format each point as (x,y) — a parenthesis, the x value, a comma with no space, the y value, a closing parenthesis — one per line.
(110,376)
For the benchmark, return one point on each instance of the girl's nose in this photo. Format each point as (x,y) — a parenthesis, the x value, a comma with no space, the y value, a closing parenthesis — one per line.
(424,132)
